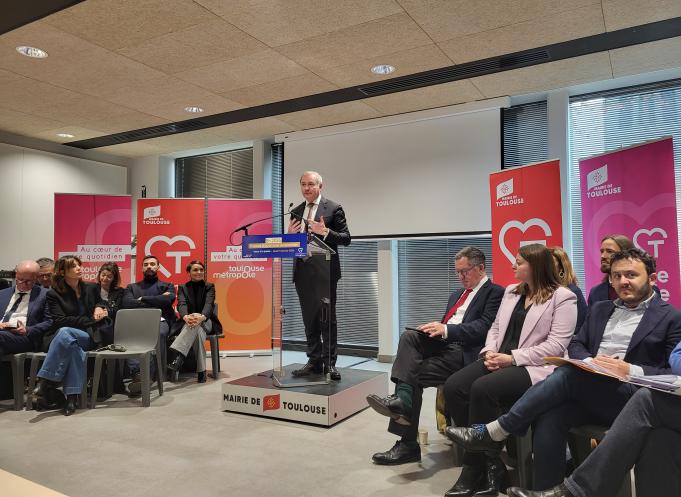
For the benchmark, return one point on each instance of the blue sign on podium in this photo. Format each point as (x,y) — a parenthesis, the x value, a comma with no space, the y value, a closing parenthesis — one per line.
(269,246)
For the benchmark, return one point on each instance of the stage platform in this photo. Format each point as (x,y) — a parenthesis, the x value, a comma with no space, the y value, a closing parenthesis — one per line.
(323,405)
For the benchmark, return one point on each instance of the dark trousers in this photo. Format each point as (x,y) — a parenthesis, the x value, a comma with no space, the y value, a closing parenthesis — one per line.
(646,434)
(476,395)
(11,343)
(422,362)
(568,397)
(313,285)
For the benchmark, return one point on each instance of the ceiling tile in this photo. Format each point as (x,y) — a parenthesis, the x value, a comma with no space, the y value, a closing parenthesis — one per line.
(594,67)
(429,97)
(41,35)
(22,123)
(282,89)
(124,23)
(26,95)
(375,38)
(256,129)
(653,56)
(248,70)
(406,62)
(329,115)
(77,132)
(277,23)
(193,47)
(584,21)
(447,19)
(132,149)
(186,141)
(125,122)
(620,14)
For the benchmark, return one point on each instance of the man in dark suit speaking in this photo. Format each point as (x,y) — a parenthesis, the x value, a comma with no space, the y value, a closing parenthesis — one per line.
(426,358)
(324,219)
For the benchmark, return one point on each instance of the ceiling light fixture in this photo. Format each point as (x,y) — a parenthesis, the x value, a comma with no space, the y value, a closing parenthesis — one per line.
(32,52)
(65,135)
(193,110)
(383,69)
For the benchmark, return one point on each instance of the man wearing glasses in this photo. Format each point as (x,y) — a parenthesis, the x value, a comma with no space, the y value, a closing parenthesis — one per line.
(45,273)
(23,319)
(429,354)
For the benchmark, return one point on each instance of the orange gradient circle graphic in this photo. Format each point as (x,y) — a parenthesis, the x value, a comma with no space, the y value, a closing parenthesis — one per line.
(245,300)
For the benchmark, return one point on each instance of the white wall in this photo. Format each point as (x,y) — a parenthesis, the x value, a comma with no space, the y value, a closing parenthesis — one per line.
(29,180)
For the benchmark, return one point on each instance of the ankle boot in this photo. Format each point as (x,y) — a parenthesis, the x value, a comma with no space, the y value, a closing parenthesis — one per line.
(43,394)
(177,362)
(71,402)
(496,477)
(469,481)
(201,377)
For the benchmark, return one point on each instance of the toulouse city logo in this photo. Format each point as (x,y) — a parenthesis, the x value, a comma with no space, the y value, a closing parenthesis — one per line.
(505,194)
(152,215)
(597,184)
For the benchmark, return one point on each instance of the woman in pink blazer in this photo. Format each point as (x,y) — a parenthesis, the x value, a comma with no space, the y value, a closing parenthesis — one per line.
(536,319)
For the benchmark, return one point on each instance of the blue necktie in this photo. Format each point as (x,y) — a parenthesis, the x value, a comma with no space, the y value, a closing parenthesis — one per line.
(14,308)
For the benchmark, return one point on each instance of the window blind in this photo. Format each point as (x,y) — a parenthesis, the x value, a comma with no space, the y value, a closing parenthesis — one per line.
(223,175)
(525,134)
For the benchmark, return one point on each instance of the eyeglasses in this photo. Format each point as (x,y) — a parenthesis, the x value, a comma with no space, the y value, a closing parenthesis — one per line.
(465,272)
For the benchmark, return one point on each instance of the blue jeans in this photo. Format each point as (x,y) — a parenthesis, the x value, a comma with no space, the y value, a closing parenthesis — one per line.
(66,360)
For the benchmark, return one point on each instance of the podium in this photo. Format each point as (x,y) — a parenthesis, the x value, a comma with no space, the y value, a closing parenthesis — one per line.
(312,278)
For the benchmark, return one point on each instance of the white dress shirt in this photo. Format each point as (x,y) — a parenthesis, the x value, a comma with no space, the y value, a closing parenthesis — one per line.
(457,317)
(21,313)
(306,211)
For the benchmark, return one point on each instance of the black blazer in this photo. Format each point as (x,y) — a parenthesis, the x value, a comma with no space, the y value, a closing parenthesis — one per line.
(339,234)
(64,311)
(185,301)
(581,306)
(477,320)
(164,302)
(38,319)
(651,344)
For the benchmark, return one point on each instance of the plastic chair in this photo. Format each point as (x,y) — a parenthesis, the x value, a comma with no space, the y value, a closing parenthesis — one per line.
(138,331)
(17,363)
(215,353)
(36,359)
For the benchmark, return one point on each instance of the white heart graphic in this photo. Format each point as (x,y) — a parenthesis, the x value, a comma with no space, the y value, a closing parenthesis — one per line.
(514,223)
(170,241)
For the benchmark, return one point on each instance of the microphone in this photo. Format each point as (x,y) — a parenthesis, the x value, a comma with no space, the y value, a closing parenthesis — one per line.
(245,227)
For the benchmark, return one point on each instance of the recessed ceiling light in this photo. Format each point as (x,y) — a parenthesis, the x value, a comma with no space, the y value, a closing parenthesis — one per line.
(65,135)
(383,69)
(193,110)
(33,52)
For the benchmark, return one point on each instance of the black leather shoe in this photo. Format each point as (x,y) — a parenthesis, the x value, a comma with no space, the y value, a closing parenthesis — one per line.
(468,483)
(307,370)
(400,453)
(201,377)
(496,478)
(177,363)
(474,439)
(70,407)
(44,394)
(333,372)
(390,406)
(559,491)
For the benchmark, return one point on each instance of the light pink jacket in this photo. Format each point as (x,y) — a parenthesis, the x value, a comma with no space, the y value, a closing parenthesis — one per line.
(547,330)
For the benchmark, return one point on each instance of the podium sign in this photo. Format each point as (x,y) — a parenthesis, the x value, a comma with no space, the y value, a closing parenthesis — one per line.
(288,245)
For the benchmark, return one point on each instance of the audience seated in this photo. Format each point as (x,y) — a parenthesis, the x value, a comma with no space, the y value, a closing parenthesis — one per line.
(77,314)
(536,319)
(24,319)
(635,334)
(45,274)
(111,294)
(646,435)
(428,358)
(566,276)
(196,307)
(150,292)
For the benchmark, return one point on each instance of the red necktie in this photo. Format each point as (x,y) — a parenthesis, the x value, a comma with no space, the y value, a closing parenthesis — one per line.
(458,304)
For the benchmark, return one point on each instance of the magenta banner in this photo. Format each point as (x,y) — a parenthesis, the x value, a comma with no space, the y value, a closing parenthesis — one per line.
(631,192)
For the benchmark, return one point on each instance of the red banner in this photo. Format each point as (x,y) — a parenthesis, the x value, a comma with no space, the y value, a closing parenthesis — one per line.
(243,286)
(172,230)
(526,208)
(96,228)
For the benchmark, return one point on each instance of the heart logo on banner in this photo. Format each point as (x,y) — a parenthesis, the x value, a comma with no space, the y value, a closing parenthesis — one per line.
(514,223)
(177,255)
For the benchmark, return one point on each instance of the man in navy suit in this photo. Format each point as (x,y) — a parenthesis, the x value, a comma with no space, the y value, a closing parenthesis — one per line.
(24,318)
(324,219)
(155,294)
(635,334)
(427,358)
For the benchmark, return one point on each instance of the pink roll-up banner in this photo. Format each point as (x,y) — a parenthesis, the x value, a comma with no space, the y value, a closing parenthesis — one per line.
(96,228)
(631,191)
